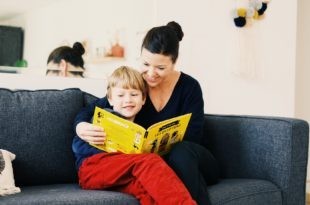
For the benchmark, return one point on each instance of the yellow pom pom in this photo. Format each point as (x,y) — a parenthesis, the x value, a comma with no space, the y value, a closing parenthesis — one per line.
(256,15)
(241,12)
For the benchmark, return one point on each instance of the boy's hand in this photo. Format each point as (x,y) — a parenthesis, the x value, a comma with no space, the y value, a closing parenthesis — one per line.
(90,133)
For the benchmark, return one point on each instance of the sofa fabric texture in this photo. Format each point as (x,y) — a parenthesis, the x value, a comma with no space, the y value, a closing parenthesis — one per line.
(269,148)
(37,127)
(69,194)
(263,160)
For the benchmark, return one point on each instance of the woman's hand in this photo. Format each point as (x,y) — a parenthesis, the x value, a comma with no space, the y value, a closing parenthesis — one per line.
(90,133)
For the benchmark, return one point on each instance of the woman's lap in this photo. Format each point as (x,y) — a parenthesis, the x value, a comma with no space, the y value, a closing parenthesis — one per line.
(195,166)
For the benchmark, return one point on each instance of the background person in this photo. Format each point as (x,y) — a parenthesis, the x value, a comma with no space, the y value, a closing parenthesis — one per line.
(66,61)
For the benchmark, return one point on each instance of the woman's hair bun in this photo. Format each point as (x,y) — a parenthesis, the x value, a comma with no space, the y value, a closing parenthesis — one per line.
(177,28)
(79,48)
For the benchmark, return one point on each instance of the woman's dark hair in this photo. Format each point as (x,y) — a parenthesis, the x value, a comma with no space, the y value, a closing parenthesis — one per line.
(71,55)
(164,40)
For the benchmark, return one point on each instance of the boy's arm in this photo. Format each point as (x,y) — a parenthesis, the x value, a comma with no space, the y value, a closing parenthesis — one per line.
(86,114)
(83,127)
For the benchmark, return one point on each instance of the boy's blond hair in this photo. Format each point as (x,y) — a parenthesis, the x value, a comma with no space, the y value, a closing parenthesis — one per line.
(126,78)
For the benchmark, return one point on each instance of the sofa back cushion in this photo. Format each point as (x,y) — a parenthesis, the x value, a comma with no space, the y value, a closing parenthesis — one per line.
(37,127)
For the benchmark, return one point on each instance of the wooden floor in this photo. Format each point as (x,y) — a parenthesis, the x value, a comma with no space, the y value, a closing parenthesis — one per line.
(308,199)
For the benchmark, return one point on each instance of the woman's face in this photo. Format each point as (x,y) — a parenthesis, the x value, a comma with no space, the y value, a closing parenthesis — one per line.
(155,67)
(56,69)
(63,69)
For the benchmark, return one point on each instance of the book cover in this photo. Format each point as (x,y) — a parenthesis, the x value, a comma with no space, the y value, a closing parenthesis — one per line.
(128,137)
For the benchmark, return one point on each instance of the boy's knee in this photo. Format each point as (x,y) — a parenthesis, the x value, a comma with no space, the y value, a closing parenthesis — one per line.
(155,157)
(150,157)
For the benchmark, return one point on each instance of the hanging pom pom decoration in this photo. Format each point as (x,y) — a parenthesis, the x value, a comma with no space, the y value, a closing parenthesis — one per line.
(240,17)
(256,9)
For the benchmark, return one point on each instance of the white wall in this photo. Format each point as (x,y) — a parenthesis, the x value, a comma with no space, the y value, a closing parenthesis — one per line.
(303,61)
(93,20)
(242,71)
(246,71)
(96,21)
(303,65)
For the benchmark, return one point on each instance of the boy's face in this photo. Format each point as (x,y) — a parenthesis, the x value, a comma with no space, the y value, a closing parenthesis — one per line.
(127,102)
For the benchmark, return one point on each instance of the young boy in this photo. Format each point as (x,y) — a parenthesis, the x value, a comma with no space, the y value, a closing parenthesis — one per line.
(145,176)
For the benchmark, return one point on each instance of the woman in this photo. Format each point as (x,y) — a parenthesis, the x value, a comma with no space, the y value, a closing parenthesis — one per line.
(170,93)
(66,61)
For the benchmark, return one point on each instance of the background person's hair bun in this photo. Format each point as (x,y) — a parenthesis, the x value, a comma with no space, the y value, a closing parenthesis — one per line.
(79,48)
(177,28)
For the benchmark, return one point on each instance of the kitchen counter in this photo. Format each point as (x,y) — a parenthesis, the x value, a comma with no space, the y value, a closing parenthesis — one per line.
(38,80)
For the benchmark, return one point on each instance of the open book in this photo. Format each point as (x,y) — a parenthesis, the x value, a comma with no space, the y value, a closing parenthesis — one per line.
(128,137)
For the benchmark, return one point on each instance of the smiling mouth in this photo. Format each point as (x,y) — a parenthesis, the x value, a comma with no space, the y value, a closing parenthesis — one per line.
(151,80)
(129,107)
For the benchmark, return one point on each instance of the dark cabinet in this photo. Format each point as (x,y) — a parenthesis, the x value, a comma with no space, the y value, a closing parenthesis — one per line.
(11,45)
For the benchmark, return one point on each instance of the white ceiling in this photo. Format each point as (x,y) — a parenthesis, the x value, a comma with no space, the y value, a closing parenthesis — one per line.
(10,8)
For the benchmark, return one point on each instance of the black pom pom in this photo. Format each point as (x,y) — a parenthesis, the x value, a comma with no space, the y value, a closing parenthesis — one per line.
(240,21)
(262,10)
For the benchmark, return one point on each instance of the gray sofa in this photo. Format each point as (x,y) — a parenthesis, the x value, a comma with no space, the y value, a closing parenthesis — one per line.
(263,160)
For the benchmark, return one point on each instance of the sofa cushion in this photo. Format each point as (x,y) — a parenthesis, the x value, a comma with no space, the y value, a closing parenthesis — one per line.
(245,191)
(67,194)
(37,127)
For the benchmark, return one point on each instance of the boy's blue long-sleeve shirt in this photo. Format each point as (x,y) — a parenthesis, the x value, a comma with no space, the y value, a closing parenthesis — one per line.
(80,148)
(186,98)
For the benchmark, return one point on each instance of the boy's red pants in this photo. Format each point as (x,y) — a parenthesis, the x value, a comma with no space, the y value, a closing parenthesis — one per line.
(146,176)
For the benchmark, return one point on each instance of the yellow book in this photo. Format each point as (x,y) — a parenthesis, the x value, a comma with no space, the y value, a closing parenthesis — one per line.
(128,137)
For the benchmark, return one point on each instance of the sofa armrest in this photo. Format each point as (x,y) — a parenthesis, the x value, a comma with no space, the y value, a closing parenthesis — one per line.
(270,148)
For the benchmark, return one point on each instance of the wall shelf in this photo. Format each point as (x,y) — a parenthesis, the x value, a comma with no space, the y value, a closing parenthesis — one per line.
(100,60)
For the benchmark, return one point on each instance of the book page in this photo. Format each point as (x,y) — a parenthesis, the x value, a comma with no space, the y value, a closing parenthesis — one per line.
(121,135)
(161,136)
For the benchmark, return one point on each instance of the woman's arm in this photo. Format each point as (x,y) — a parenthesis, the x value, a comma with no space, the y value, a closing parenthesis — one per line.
(193,103)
